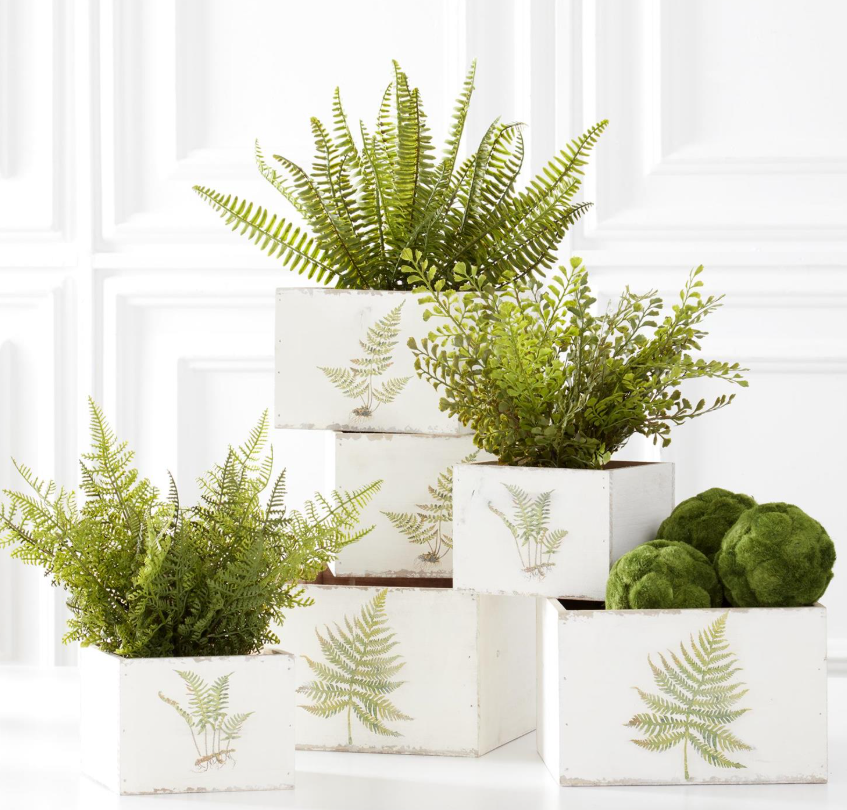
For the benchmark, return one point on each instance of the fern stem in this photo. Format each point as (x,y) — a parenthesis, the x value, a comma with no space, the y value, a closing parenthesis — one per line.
(194,740)
(436,552)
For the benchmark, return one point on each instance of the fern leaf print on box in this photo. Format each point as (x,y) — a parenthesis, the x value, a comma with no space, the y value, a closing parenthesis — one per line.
(427,525)
(699,696)
(535,542)
(358,675)
(357,381)
(213,731)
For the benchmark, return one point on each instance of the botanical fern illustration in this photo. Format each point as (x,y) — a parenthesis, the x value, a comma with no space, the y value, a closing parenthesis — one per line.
(357,382)
(208,721)
(698,701)
(359,670)
(373,194)
(427,525)
(535,543)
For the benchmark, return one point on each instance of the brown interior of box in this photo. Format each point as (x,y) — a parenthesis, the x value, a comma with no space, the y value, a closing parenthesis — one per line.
(581,604)
(326,577)
(612,465)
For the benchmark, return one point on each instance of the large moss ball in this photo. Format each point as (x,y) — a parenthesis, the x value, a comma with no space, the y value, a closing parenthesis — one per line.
(775,556)
(702,521)
(663,574)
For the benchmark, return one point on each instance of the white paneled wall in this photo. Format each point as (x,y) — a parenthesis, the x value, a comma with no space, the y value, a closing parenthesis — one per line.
(726,147)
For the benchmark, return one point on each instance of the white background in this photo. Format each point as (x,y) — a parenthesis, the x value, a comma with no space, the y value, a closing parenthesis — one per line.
(726,147)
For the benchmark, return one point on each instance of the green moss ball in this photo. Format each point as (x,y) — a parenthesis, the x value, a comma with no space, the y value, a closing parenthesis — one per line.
(702,521)
(775,556)
(663,574)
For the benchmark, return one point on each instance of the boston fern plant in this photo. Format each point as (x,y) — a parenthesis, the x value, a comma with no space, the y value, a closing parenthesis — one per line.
(545,382)
(149,578)
(366,203)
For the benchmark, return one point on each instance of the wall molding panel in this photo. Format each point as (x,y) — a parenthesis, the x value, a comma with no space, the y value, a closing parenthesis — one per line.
(36,118)
(117,281)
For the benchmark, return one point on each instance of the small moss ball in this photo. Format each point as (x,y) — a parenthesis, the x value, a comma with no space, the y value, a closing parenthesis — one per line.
(702,521)
(775,556)
(663,574)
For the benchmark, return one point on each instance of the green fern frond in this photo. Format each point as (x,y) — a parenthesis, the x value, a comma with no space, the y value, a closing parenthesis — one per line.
(389,390)
(428,526)
(273,234)
(696,709)
(359,671)
(357,381)
(535,542)
(346,380)
(208,720)
(367,201)
(148,577)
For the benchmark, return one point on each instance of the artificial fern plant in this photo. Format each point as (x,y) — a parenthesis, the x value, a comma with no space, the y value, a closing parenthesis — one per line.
(367,202)
(147,577)
(544,381)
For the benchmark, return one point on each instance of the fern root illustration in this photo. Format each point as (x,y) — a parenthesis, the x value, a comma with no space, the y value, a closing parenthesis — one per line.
(357,381)
(535,543)
(207,719)
(539,570)
(427,526)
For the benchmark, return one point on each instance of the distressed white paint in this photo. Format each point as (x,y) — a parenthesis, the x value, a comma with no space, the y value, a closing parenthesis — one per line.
(592,661)
(323,328)
(407,464)
(468,678)
(604,512)
(133,742)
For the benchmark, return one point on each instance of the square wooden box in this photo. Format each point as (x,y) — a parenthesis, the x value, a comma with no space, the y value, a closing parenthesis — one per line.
(625,698)
(506,520)
(135,737)
(457,669)
(333,329)
(409,537)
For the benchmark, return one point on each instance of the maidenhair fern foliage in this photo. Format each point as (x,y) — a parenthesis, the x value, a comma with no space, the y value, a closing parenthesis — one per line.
(697,700)
(357,381)
(208,721)
(371,195)
(545,380)
(358,675)
(147,577)
(428,526)
(535,542)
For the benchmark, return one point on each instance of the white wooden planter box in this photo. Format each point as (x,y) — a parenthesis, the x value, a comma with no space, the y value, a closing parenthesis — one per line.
(135,734)
(332,329)
(553,532)
(458,670)
(605,718)
(412,536)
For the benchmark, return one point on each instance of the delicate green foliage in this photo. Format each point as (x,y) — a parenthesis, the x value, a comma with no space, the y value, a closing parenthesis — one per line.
(698,701)
(545,382)
(426,527)
(357,382)
(775,555)
(367,202)
(663,574)
(148,578)
(535,542)
(359,670)
(702,521)
(207,719)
